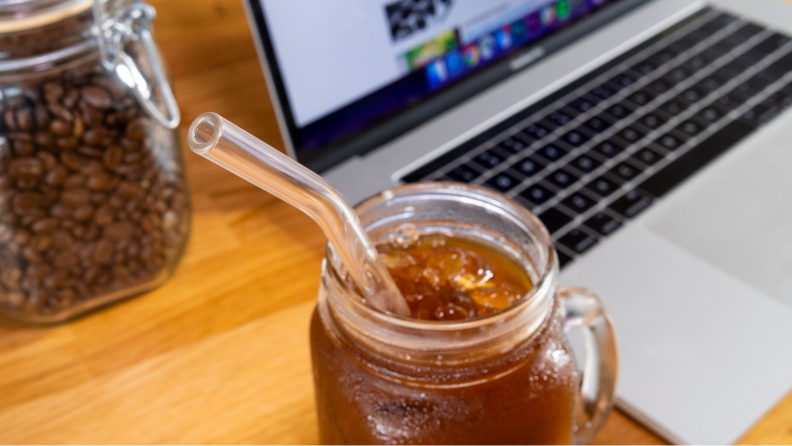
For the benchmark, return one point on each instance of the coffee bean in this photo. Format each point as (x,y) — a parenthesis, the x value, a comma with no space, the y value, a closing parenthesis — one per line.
(45,225)
(53,91)
(76,197)
(56,176)
(26,168)
(72,160)
(97,97)
(66,142)
(94,135)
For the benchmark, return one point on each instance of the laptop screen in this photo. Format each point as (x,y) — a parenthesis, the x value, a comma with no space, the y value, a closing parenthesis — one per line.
(344,69)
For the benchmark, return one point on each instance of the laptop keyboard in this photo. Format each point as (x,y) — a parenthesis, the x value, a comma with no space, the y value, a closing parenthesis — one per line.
(600,150)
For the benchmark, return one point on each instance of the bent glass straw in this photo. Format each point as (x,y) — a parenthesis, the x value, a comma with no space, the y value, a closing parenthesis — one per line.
(239,152)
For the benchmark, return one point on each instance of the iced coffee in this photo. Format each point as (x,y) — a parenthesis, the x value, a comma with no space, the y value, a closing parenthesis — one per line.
(482,357)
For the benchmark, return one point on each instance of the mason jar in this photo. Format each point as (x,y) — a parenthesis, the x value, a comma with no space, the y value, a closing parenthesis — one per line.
(93,201)
(506,378)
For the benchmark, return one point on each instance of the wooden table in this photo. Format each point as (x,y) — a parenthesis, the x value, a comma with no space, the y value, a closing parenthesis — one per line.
(220,353)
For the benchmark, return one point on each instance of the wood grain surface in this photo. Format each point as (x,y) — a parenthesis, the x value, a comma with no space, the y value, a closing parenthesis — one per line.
(220,353)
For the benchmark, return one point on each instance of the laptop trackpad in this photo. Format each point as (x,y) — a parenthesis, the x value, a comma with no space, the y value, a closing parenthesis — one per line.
(737,215)
(702,354)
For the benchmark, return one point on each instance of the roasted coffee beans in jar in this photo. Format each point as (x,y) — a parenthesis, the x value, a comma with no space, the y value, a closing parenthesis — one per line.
(93,202)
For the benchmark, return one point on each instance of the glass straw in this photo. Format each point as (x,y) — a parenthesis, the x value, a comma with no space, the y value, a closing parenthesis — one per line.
(239,152)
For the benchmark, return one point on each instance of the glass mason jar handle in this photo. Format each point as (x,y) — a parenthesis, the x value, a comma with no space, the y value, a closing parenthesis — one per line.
(112,34)
(583,309)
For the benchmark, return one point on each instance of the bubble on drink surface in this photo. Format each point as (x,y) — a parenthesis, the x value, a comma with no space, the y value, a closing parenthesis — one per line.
(404,236)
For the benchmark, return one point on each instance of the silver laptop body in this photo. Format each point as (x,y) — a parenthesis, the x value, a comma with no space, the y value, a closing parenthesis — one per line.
(700,282)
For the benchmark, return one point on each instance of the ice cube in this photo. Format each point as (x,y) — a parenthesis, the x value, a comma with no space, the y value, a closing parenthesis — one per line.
(396,259)
(444,266)
(495,298)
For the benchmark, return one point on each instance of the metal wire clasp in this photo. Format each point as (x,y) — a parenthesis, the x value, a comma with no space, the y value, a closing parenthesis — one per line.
(112,35)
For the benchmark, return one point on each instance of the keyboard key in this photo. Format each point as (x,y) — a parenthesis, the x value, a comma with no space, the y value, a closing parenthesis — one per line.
(561,178)
(669,142)
(783,96)
(767,76)
(713,53)
(691,96)
(585,163)
(749,30)
(578,202)
(664,56)
(488,159)
(784,63)
(608,149)
(512,145)
(772,43)
(603,92)
(661,86)
(619,111)
(603,224)
(464,174)
(631,134)
(631,204)
(676,76)
(536,131)
(674,107)
(641,97)
(536,194)
(597,124)
(623,80)
(551,152)
(731,100)
(732,69)
(694,38)
(652,120)
(528,167)
(582,104)
(713,113)
(647,156)
(575,138)
(710,84)
(625,171)
(698,62)
(646,67)
(554,219)
(718,23)
(578,241)
(762,113)
(563,259)
(730,42)
(602,187)
(752,87)
(690,128)
(503,182)
(681,168)
(559,118)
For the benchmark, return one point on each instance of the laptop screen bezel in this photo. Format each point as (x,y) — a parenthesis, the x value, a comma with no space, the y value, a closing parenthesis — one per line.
(413,116)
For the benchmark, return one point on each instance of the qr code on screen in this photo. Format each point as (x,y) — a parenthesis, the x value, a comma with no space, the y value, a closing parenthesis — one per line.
(408,16)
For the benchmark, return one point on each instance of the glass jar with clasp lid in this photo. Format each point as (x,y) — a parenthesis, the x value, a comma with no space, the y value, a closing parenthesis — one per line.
(93,201)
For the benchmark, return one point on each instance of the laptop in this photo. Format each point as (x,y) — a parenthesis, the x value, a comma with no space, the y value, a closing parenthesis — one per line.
(651,138)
